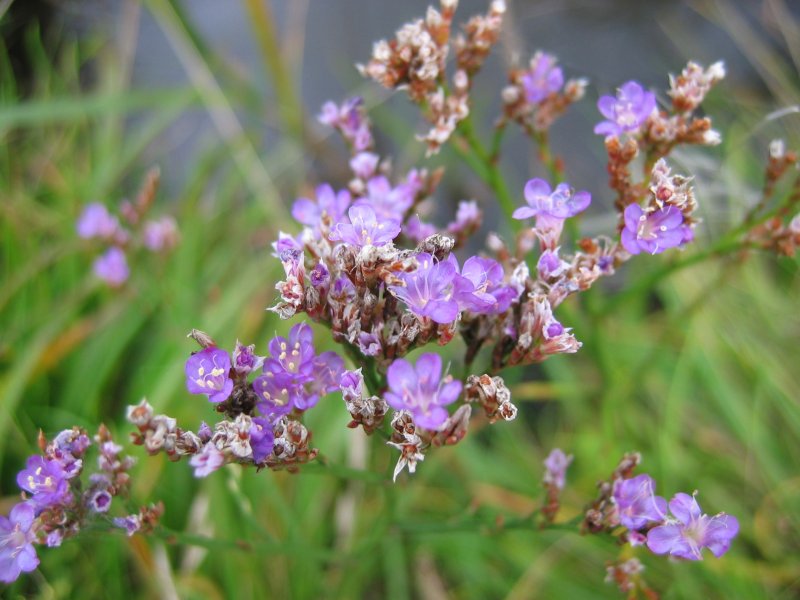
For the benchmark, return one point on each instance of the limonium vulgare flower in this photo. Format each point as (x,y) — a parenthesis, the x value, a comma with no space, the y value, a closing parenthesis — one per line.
(46,480)
(112,267)
(626,112)
(690,531)
(551,207)
(365,228)
(421,390)
(636,502)
(330,206)
(543,78)
(556,465)
(208,372)
(97,222)
(480,288)
(653,231)
(17,535)
(428,290)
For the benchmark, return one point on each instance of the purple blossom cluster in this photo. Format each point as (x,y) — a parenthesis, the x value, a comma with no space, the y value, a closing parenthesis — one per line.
(125,234)
(683,531)
(59,498)
(292,379)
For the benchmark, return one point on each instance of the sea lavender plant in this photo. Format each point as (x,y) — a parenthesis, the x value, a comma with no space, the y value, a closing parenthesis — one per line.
(383,283)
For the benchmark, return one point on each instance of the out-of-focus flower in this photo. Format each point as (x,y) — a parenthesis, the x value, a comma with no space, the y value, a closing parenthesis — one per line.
(17,535)
(626,112)
(160,235)
(542,79)
(96,222)
(112,267)
(637,503)
(691,531)
(365,228)
(556,465)
(208,460)
(421,390)
(329,207)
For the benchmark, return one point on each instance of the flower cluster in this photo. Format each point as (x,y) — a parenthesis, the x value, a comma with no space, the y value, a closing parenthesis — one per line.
(262,427)
(538,95)
(678,528)
(415,61)
(96,222)
(59,499)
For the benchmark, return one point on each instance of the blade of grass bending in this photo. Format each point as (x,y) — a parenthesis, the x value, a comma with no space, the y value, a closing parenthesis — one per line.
(218,107)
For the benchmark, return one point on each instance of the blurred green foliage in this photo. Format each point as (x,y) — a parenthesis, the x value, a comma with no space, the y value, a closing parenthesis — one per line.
(699,374)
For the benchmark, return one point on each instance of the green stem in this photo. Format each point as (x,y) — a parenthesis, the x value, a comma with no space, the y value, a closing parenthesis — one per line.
(484,163)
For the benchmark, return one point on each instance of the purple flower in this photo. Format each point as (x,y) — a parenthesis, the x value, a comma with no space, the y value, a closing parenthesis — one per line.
(468,218)
(637,503)
(46,480)
(551,208)
(421,390)
(100,501)
(131,524)
(653,232)
(17,554)
(550,265)
(328,368)
(627,111)
(112,267)
(428,290)
(320,276)
(556,465)
(208,372)
(95,221)
(560,203)
(692,531)
(365,228)
(295,356)
(245,359)
(286,242)
(295,376)
(54,538)
(208,460)
(276,393)
(543,78)
(480,288)
(369,343)
(262,439)
(364,164)
(204,432)
(389,203)
(160,235)
(350,120)
(328,205)
(351,384)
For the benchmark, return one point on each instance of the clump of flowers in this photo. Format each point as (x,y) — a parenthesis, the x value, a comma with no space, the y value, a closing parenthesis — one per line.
(128,233)
(61,495)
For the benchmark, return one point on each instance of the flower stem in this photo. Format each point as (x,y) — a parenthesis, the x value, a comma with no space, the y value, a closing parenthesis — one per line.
(485,165)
